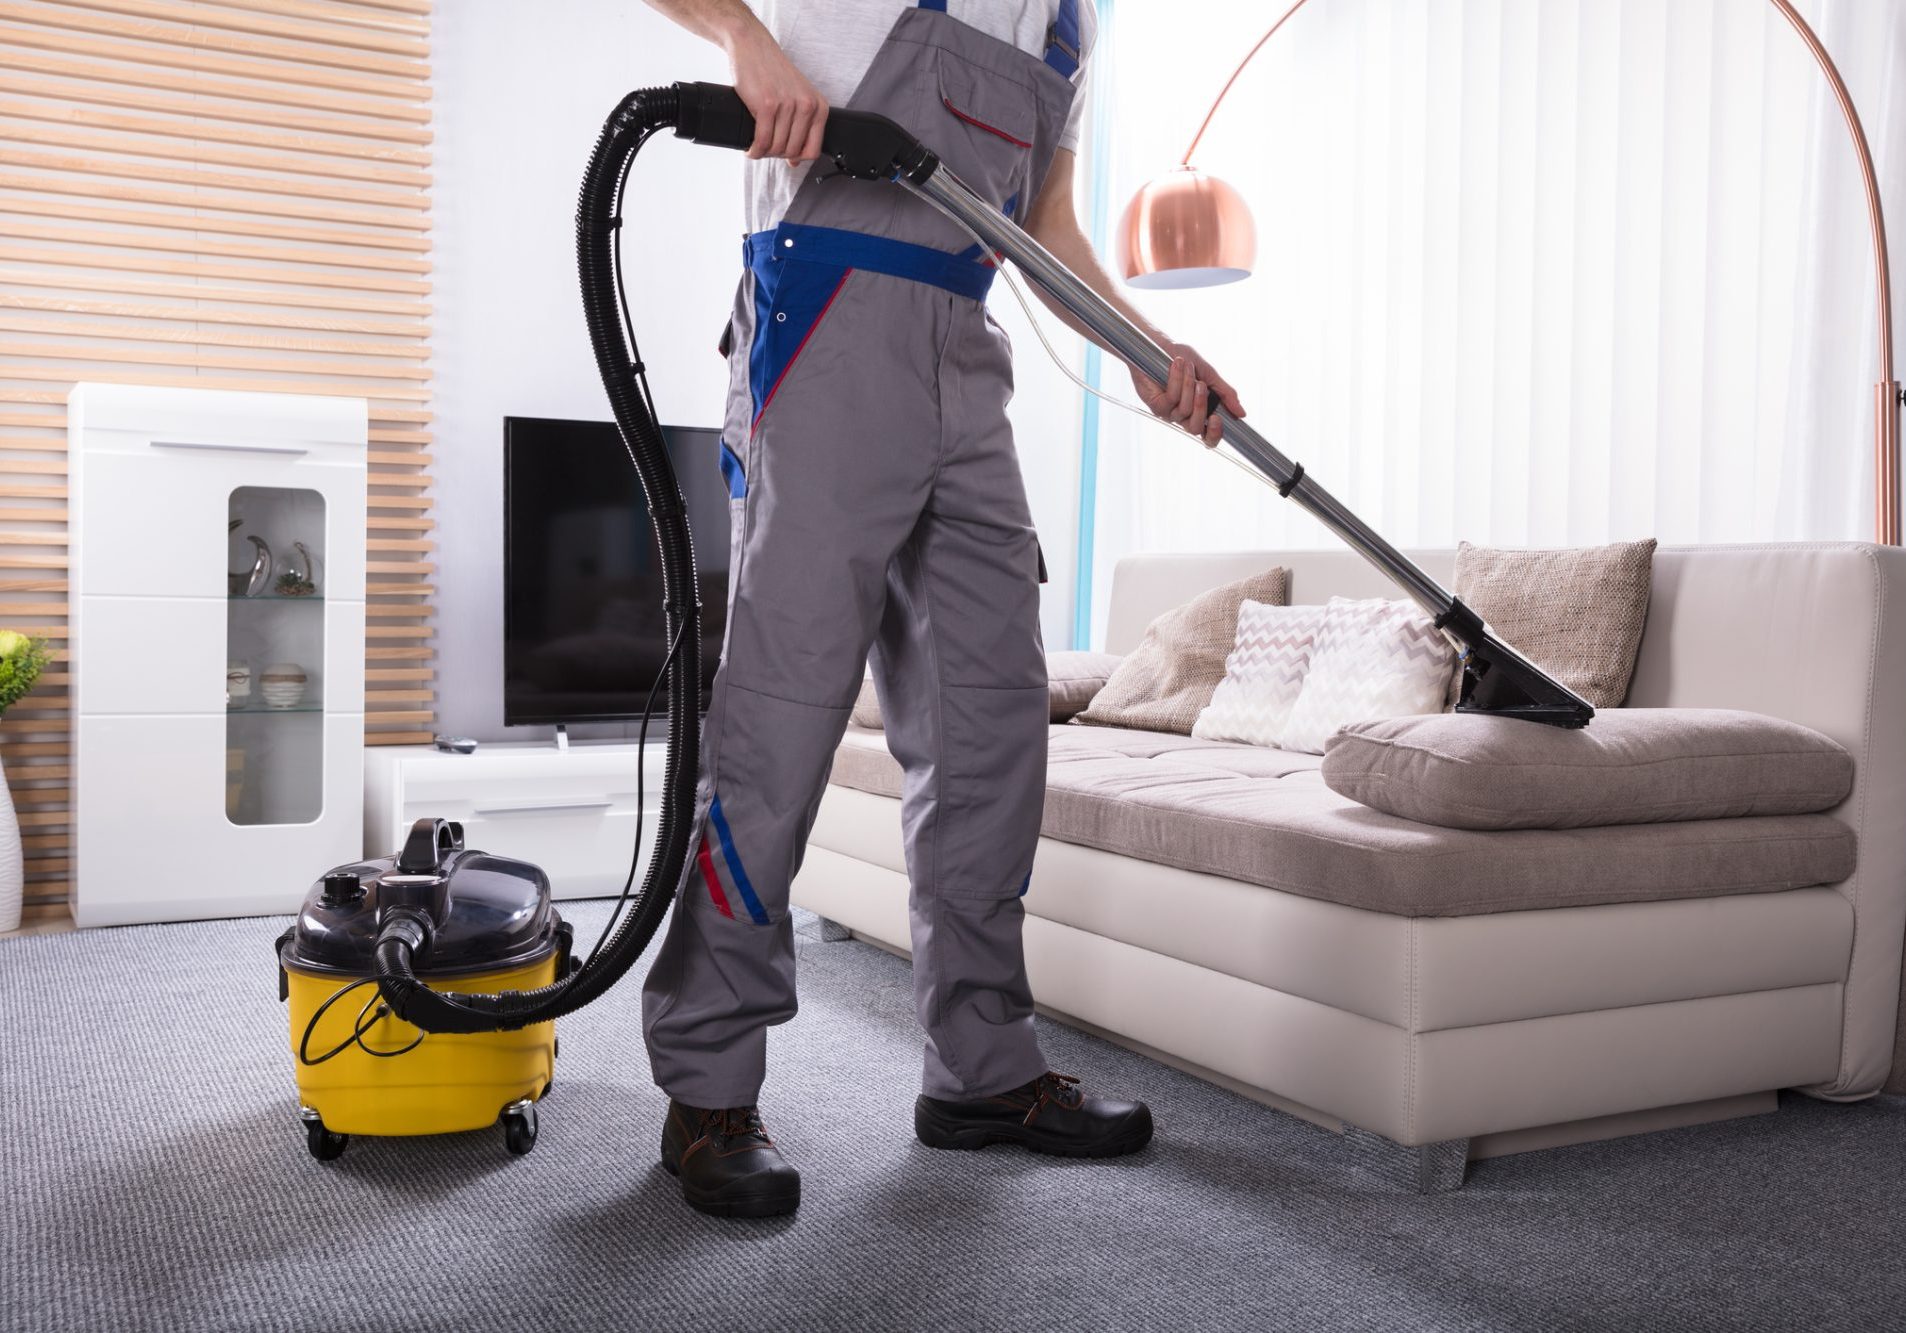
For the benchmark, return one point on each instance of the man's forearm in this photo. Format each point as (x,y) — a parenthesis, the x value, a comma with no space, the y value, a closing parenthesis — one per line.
(722,22)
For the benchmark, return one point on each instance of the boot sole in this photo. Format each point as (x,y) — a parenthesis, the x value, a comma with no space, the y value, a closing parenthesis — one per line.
(763,1203)
(937,1130)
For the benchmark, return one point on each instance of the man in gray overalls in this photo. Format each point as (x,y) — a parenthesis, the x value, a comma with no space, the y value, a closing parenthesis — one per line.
(877,505)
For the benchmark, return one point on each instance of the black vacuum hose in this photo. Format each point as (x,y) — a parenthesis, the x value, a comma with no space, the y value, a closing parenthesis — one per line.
(405,933)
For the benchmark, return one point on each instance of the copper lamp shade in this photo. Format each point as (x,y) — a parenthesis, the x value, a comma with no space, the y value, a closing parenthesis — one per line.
(1186,229)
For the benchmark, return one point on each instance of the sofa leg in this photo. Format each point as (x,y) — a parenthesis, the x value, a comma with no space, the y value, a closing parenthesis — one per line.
(1434,1168)
(828,932)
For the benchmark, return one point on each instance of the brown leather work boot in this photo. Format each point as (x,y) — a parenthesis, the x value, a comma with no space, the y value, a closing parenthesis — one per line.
(1048,1115)
(727,1164)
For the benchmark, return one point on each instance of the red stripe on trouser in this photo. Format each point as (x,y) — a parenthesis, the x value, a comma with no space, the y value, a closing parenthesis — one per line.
(714,881)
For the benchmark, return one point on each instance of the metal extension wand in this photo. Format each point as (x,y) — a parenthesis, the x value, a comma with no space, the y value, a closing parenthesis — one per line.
(1496,678)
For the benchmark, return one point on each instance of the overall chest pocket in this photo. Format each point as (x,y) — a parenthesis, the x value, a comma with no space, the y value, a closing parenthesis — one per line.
(984,130)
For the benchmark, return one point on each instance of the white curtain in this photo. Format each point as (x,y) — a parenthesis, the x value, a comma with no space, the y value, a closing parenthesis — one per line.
(1530,272)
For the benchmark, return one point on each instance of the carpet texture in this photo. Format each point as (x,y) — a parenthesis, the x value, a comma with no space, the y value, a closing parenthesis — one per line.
(155,1177)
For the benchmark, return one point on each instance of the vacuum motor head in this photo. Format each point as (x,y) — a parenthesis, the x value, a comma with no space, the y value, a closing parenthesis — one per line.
(482,913)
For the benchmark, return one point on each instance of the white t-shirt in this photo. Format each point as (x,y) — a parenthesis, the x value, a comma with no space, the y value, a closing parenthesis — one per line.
(834,41)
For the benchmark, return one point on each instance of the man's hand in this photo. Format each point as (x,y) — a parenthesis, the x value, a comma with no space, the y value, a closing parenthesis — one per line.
(789,113)
(1186,393)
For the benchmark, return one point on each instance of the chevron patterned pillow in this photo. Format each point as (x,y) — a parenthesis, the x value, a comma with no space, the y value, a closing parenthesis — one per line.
(1373,659)
(1263,675)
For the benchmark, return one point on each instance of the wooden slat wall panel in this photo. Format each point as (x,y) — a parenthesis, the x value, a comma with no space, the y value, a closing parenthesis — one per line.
(223,194)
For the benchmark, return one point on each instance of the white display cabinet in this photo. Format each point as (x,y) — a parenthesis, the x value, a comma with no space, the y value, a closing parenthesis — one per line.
(218,697)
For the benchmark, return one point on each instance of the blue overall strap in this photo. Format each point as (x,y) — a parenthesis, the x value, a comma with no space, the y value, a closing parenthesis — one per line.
(934,4)
(1062,39)
(875,254)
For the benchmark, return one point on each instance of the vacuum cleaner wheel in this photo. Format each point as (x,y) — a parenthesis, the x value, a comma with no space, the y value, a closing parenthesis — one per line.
(324,1145)
(519,1126)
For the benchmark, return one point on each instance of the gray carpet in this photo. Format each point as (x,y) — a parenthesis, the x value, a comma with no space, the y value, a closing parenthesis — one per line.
(155,1178)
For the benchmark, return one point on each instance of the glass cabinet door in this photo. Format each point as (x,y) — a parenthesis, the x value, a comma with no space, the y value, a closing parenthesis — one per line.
(274,656)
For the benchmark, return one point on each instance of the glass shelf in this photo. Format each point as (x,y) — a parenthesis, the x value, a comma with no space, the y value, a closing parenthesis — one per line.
(274,771)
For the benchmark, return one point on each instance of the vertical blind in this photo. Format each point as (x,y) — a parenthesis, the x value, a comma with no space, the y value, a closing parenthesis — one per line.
(1531,272)
(217,195)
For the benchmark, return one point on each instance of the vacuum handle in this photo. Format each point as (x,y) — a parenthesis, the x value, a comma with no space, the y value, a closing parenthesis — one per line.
(430,844)
(861,143)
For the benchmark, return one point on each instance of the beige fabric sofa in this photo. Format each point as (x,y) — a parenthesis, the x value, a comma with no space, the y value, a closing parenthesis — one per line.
(1697,970)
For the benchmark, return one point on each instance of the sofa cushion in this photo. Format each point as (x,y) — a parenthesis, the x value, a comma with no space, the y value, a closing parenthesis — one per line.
(1576,613)
(1628,766)
(1263,675)
(1265,817)
(1374,658)
(1165,682)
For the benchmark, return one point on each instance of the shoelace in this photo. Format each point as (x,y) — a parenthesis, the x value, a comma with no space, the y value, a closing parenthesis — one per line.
(1053,1089)
(734,1122)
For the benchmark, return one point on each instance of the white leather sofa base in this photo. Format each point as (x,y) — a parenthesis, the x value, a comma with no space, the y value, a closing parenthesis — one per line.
(1411,1084)
(1419,972)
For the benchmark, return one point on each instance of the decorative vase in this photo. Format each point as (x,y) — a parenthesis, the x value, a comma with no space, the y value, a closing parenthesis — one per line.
(297,572)
(237,684)
(282,684)
(12,867)
(251,582)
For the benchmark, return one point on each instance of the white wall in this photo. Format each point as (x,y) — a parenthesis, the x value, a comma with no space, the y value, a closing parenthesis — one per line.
(520,92)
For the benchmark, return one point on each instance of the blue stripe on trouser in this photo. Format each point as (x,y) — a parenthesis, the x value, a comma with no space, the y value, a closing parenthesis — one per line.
(799,270)
(728,853)
(838,248)
(731,472)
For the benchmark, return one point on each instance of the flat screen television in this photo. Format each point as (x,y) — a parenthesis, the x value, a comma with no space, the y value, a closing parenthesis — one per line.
(583,632)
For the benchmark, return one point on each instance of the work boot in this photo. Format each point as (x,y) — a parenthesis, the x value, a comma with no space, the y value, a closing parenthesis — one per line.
(727,1164)
(1048,1115)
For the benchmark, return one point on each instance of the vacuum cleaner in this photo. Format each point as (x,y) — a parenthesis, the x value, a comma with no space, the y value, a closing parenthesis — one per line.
(463,962)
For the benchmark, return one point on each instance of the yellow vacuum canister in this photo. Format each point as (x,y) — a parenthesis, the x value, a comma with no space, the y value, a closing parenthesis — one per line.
(362,1070)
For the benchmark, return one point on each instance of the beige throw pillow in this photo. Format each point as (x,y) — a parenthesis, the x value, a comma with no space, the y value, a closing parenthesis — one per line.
(1576,613)
(1169,678)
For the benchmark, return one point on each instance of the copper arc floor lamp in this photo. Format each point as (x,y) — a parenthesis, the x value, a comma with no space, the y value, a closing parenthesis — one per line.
(1190,229)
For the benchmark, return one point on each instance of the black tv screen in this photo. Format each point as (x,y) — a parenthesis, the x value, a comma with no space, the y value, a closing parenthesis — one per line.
(583,630)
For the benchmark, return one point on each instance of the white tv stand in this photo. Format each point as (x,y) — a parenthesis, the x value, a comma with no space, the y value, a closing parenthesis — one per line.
(570,809)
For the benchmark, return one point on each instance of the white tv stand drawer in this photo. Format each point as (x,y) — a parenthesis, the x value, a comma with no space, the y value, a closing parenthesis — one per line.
(571,811)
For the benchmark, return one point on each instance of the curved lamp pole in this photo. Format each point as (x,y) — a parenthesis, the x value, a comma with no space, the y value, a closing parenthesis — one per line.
(1189,229)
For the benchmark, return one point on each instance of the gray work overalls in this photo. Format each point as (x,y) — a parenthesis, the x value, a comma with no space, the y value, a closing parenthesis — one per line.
(876,503)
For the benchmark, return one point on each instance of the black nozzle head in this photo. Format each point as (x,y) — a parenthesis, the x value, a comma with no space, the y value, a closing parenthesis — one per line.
(1506,686)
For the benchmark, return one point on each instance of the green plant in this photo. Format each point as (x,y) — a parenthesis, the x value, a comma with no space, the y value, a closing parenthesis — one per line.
(22,658)
(291,585)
